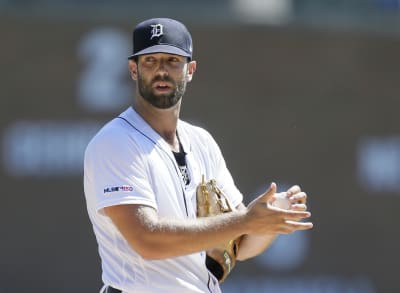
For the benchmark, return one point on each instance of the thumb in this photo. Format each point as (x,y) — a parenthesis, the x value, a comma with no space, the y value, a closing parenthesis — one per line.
(269,193)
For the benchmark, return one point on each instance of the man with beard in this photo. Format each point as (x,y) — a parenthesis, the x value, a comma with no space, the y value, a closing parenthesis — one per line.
(141,172)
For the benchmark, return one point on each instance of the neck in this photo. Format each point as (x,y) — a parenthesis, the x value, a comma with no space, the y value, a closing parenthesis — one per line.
(163,121)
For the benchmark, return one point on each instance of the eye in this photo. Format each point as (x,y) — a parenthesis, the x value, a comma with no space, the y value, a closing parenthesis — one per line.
(174,59)
(149,59)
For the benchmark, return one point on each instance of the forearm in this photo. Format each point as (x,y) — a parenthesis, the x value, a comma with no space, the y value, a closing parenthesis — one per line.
(179,238)
(158,238)
(253,245)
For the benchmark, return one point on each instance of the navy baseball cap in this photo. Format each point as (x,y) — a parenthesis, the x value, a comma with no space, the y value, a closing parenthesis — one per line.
(161,35)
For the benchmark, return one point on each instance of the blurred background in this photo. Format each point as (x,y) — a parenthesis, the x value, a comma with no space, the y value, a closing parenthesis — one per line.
(297,92)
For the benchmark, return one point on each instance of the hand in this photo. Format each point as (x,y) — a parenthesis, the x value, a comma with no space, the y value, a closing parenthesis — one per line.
(297,198)
(263,218)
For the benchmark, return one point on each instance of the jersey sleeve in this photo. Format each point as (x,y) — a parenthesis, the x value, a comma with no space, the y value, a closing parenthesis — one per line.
(115,173)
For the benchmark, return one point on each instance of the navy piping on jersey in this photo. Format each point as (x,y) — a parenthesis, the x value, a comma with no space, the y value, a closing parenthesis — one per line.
(178,172)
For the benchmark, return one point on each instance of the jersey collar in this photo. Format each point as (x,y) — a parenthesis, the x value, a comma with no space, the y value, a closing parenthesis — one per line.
(135,119)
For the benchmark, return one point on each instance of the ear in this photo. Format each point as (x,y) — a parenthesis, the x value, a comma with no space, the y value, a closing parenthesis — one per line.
(190,70)
(133,69)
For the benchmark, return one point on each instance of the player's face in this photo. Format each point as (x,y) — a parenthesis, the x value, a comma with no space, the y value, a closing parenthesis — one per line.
(161,79)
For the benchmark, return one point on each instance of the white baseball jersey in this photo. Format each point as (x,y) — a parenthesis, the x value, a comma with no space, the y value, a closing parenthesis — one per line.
(127,162)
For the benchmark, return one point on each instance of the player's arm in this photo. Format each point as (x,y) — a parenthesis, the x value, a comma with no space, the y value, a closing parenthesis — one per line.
(252,245)
(157,238)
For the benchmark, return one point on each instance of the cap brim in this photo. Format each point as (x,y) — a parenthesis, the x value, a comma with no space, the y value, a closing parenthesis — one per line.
(162,49)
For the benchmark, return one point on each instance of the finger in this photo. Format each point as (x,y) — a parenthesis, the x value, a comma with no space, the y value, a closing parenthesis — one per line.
(293,215)
(289,227)
(300,197)
(293,190)
(298,207)
(269,193)
(299,225)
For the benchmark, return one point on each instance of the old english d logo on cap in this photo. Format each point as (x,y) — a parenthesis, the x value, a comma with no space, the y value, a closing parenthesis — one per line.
(161,35)
(157,30)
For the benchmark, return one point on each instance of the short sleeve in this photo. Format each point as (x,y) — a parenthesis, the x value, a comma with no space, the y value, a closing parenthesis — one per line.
(115,173)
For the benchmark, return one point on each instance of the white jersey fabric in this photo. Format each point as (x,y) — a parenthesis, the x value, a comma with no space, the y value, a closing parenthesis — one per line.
(127,162)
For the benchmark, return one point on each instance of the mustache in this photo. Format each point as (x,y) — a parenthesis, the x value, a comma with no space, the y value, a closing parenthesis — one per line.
(165,79)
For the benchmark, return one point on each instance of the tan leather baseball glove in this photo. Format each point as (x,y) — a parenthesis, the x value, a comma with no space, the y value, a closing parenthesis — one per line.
(210,202)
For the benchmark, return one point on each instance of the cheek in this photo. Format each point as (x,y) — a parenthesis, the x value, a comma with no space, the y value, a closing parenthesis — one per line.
(182,76)
(140,78)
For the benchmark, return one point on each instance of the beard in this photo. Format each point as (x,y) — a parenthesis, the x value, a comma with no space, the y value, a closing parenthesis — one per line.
(161,101)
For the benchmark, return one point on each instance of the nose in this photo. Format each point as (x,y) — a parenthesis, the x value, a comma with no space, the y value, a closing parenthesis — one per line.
(162,68)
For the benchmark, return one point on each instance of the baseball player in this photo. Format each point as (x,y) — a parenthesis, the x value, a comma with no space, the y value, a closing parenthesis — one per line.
(141,172)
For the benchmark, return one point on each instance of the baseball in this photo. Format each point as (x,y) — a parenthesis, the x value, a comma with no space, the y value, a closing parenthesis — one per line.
(281,201)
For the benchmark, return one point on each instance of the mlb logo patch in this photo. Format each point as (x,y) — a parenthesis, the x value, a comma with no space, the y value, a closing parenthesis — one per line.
(125,188)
